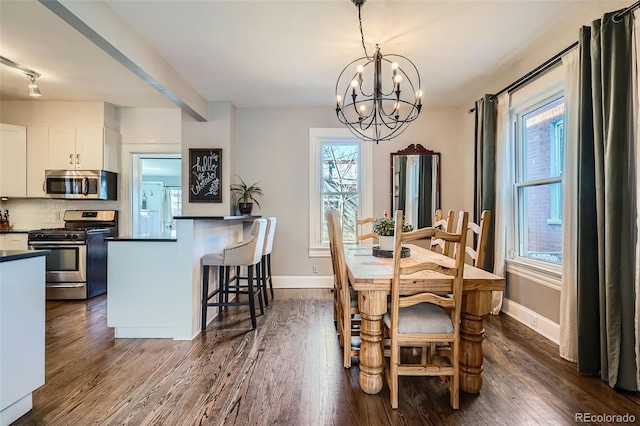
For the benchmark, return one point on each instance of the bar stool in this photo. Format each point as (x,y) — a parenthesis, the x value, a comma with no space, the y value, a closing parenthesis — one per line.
(265,263)
(245,253)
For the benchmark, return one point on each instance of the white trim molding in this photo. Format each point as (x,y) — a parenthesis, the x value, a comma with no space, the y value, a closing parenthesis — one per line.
(303,282)
(532,319)
(546,277)
(318,136)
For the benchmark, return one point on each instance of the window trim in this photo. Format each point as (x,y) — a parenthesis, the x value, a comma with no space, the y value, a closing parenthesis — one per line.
(317,136)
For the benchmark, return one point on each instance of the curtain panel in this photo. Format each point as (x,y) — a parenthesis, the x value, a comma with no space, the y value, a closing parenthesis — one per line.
(503,216)
(485,168)
(569,294)
(607,232)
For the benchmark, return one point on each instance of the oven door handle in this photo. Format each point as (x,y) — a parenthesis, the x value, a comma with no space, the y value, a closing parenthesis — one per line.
(33,245)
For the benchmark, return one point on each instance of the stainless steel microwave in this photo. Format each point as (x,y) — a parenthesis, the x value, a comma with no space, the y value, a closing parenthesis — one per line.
(81,184)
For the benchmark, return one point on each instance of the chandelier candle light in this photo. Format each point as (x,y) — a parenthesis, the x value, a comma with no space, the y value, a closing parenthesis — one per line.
(377,110)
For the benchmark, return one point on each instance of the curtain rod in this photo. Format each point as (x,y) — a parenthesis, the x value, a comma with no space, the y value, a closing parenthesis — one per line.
(551,62)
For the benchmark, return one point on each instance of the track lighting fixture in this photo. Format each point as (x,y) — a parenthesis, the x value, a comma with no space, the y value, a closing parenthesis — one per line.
(31,75)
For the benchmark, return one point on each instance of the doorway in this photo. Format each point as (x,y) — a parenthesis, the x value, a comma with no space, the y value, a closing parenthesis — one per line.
(156,192)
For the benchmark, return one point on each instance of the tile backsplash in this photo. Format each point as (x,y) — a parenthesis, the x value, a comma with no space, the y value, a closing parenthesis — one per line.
(37,213)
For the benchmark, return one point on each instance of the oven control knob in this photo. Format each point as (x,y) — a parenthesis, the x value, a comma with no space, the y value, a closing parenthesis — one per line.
(74,236)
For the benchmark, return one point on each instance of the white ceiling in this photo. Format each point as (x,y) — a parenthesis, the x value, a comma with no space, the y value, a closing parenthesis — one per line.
(284,53)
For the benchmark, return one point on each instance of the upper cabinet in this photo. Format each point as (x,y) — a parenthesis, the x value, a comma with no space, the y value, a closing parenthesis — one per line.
(83,148)
(13,161)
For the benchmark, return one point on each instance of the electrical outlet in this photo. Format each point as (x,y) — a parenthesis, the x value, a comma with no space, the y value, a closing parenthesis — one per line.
(315,269)
(534,321)
(57,215)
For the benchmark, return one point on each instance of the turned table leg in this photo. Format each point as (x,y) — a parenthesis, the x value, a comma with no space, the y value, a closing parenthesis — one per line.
(372,305)
(475,304)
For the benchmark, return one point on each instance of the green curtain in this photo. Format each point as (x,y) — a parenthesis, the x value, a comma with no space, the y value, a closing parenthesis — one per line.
(485,168)
(606,204)
(402,183)
(425,192)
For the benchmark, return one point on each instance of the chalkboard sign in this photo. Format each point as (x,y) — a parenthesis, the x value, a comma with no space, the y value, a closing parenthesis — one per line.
(205,177)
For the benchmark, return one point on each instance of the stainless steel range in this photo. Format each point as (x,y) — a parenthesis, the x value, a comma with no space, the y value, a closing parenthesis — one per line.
(77,265)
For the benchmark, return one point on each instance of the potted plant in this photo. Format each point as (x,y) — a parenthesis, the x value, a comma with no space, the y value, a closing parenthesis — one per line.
(385,228)
(246,195)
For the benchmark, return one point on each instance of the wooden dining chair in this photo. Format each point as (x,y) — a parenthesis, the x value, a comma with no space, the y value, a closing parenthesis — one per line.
(481,235)
(419,319)
(444,224)
(360,222)
(345,298)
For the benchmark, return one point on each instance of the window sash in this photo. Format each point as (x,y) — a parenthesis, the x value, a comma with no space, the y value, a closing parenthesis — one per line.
(318,245)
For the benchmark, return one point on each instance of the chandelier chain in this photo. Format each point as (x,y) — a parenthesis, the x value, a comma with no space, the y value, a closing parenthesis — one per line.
(362,33)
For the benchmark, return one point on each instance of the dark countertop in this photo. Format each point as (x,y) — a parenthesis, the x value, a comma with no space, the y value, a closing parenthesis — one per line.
(245,217)
(169,236)
(9,255)
(14,231)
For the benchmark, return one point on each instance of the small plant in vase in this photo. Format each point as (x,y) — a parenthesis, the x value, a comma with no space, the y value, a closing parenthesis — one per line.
(246,195)
(385,228)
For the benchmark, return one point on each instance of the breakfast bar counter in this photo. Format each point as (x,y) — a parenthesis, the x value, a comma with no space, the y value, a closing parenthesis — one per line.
(154,280)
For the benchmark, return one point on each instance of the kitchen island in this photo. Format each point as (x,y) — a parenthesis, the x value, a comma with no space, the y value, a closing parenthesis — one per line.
(22,324)
(153,288)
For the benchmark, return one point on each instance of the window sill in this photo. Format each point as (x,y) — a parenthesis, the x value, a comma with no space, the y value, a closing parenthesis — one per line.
(319,252)
(539,272)
(554,221)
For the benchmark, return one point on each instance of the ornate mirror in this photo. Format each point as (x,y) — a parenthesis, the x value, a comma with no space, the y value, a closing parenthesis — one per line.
(415,184)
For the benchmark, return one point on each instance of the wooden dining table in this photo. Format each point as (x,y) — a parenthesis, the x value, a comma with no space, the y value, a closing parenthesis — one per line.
(371,277)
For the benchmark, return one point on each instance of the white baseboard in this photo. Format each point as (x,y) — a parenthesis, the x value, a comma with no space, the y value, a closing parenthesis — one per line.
(532,319)
(303,282)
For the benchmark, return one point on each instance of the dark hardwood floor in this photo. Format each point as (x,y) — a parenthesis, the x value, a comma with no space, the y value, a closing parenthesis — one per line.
(289,372)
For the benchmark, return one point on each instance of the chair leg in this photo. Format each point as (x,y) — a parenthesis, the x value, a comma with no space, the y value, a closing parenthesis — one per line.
(269,272)
(221,292)
(263,282)
(346,337)
(227,273)
(205,296)
(237,282)
(252,303)
(393,386)
(258,289)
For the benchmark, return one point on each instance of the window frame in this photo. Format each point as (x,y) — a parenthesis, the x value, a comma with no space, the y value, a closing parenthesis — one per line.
(317,137)
(551,272)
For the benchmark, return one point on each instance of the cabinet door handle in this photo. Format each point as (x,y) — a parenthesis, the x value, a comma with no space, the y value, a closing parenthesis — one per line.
(70,158)
(77,158)
(43,190)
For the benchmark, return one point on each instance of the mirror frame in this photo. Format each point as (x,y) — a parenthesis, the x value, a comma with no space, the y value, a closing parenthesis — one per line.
(414,149)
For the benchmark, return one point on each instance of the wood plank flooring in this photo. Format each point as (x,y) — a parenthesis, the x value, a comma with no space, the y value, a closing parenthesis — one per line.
(289,372)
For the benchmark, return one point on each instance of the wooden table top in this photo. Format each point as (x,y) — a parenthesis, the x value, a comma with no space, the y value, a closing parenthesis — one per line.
(368,272)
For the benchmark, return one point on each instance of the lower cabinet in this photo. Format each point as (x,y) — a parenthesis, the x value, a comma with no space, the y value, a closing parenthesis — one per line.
(13,241)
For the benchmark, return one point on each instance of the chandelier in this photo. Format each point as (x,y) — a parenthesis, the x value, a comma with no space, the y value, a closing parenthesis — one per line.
(374,108)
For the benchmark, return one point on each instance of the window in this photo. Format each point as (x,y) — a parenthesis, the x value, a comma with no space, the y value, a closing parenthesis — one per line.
(539,139)
(340,179)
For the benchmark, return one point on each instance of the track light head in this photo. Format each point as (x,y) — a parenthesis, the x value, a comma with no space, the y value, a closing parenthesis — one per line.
(33,87)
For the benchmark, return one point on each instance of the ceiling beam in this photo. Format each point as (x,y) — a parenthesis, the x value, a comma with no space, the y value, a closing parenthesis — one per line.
(102,26)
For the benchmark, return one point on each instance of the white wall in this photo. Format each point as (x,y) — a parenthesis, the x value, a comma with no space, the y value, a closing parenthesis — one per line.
(218,132)
(273,149)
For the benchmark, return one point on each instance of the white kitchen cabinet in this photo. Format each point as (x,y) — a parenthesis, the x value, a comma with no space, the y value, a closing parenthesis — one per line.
(13,241)
(83,148)
(37,160)
(13,161)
